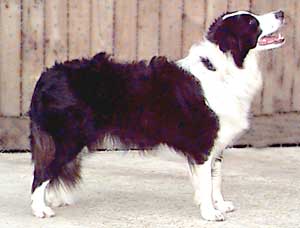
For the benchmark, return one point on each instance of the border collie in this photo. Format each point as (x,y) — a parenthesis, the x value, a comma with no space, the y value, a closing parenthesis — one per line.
(196,106)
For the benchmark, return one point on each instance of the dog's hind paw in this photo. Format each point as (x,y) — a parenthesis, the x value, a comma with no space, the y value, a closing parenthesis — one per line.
(225,206)
(58,197)
(211,214)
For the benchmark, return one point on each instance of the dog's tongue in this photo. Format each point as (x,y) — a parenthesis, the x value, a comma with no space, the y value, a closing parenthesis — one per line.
(271,39)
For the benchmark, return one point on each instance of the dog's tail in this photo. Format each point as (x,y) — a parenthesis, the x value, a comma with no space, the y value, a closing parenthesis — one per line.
(42,145)
(43,153)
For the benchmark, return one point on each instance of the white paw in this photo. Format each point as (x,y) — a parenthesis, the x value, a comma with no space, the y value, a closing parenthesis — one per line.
(42,211)
(225,206)
(211,214)
(38,205)
(56,202)
(58,197)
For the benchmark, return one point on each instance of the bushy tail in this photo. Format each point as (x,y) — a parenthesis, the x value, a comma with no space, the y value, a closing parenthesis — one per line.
(43,153)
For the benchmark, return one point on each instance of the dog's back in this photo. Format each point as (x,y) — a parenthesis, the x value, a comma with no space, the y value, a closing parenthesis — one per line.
(86,99)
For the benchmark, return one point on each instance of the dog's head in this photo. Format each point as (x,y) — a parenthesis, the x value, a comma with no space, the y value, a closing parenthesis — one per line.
(239,32)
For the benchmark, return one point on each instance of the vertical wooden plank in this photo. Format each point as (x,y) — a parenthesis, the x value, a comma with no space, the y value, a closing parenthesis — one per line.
(235,5)
(79,29)
(214,9)
(148,29)
(10,40)
(55,31)
(102,26)
(296,86)
(33,52)
(193,23)
(125,29)
(256,106)
(171,28)
(264,104)
(282,71)
(2,100)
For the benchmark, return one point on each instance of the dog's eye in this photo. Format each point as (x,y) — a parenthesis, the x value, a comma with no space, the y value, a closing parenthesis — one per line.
(252,22)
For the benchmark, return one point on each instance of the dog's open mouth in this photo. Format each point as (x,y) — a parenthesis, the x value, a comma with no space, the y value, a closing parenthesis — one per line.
(273,38)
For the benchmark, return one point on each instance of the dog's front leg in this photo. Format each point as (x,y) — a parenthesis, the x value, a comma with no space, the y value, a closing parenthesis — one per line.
(220,204)
(201,176)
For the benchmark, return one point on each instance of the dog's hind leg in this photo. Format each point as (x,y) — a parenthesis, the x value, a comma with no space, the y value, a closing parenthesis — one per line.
(59,191)
(56,170)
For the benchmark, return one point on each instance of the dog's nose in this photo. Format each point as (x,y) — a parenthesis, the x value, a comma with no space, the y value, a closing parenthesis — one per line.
(279,15)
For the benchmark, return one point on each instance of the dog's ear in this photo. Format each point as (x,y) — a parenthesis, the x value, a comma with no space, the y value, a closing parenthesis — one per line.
(236,46)
(239,52)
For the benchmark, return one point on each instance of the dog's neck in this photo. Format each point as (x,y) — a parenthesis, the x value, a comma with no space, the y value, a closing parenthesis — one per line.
(219,72)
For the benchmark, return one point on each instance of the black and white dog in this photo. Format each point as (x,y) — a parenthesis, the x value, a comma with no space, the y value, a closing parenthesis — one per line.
(197,106)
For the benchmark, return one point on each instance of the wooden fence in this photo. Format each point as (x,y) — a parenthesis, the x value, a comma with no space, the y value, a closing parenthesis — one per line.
(35,33)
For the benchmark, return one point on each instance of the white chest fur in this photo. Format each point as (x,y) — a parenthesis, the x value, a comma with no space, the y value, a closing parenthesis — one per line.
(229,90)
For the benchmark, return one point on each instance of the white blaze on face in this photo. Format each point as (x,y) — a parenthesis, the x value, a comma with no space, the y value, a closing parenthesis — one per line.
(236,14)
(268,23)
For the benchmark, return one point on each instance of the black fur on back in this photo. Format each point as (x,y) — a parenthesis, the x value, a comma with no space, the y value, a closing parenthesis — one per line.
(78,102)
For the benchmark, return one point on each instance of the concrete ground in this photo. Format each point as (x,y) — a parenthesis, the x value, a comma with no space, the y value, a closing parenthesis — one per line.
(133,191)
